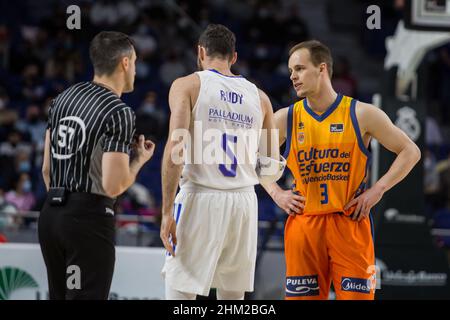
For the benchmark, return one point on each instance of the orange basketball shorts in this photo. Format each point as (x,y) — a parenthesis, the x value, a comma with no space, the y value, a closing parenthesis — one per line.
(321,249)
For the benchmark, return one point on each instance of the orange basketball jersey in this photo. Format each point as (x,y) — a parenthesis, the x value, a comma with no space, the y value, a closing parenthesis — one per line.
(326,155)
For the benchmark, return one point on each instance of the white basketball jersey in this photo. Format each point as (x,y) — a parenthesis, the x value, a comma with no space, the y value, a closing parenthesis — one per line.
(225,129)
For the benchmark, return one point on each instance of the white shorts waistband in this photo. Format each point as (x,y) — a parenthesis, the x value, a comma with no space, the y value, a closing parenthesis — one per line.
(193,187)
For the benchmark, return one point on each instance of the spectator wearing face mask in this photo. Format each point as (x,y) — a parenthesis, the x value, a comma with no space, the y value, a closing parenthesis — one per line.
(7,212)
(14,145)
(21,196)
(4,98)
(32,87)
(13,154)
(151,113)
(23,163)
(33,125)
(8,120)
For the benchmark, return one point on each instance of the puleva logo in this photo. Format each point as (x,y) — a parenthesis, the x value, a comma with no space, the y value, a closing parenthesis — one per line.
(12,279)
(302,286)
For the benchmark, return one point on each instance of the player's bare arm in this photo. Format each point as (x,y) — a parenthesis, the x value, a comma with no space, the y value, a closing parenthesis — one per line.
(46,160)
(375,123)
(268,148)
(288,201)
(182,97)
(280,118)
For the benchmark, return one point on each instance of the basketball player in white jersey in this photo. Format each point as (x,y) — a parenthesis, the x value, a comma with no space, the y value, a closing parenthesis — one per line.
(210,228)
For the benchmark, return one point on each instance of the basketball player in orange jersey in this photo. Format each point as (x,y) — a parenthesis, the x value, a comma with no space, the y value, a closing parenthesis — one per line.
(328,234)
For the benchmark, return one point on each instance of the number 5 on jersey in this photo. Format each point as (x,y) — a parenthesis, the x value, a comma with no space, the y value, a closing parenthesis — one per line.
(232,171)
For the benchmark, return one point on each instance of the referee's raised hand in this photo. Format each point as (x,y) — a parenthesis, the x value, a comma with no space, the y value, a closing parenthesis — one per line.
(143,149)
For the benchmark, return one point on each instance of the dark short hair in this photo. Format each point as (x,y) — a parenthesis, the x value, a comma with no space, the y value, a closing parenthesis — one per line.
(319,53)
(107,49)
(219,41)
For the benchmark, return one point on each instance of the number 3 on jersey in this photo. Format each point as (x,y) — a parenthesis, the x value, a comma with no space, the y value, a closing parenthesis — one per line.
(225,171)
(324,194)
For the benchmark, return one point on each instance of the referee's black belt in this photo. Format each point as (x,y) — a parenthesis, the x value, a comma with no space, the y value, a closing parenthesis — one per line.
(90,197)
(60,197)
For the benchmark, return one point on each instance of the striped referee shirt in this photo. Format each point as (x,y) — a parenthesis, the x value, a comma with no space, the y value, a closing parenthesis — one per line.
(85,121)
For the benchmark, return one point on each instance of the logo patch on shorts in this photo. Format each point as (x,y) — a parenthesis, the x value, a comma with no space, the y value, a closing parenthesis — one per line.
(355,285)
(337,127)
(302,286)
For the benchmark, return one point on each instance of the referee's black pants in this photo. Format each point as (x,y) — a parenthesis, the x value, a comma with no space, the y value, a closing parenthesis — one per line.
(77,243)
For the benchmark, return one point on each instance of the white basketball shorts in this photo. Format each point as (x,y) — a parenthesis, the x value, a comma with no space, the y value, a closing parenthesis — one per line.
(217,234)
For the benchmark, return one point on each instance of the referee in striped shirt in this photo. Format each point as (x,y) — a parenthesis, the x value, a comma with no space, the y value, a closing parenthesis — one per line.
(88,143)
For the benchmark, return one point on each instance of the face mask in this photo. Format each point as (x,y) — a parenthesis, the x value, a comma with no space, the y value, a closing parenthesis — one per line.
(33,119)
(26,187)
(149,108)
(24,166)
(142,30)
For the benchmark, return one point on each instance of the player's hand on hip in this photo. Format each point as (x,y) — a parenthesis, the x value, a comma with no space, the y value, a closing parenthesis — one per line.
(364,202)
(168,233)
(144,149)
(290,202)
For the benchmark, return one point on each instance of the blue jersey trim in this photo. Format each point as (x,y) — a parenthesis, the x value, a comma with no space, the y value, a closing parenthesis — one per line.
(215,71)
(178,208)
(176,222)
(178,213)
(362,147)
(324,115)
(372,230)
(288,131)
(362,185)
(368,164)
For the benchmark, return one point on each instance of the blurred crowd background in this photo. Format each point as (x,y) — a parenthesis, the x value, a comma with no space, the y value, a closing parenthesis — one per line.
(40,57)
